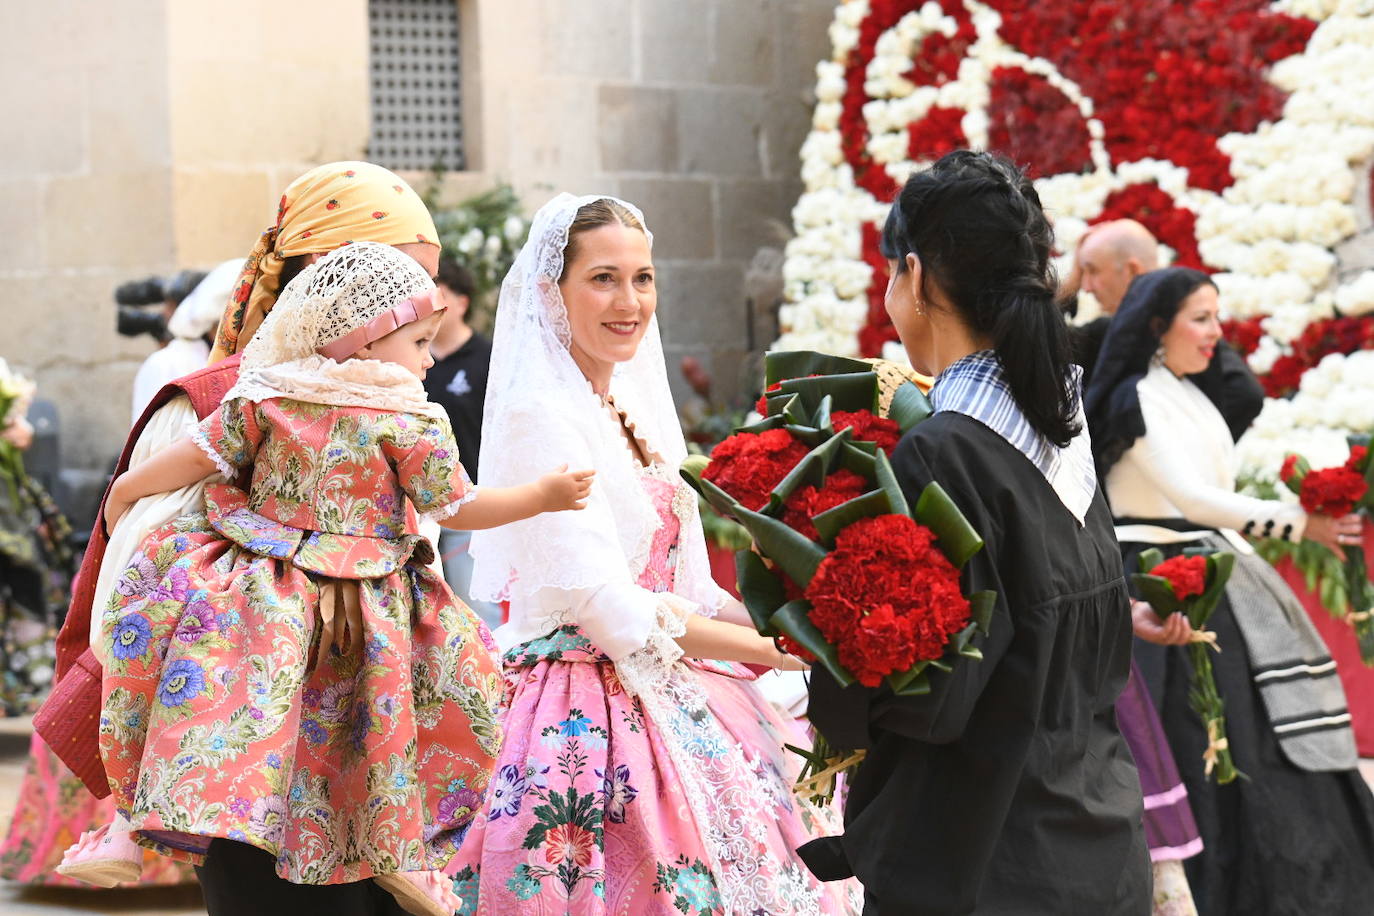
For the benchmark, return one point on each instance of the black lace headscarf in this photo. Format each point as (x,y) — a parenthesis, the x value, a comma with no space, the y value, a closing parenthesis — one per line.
(1111,402)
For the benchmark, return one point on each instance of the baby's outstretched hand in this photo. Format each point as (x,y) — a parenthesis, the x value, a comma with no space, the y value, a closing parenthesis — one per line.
(564,489)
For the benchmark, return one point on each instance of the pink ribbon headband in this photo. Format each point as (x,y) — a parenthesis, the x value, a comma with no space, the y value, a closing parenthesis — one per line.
(411,310)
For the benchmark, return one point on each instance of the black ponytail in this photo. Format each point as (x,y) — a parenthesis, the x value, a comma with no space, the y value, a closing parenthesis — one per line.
(976,224)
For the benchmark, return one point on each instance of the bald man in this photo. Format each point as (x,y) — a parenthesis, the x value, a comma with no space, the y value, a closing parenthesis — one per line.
(1111,255)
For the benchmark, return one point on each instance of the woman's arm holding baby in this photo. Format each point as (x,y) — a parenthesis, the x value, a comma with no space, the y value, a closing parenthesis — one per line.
(178,465)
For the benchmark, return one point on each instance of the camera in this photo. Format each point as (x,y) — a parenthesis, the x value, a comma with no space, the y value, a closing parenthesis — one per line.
(140,303)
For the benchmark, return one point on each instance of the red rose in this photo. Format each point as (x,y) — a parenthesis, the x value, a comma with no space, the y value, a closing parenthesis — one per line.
(749,465)
(1187,575)
(1332,491)
(868,427)
(1289,468)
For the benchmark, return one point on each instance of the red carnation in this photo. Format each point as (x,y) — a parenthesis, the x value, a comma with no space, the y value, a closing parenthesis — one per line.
(1187,575)
(762,405)
(886,597)
(808,501)
(749,465)
(1332,491)
(868,427)
(1357,456)
(791,647)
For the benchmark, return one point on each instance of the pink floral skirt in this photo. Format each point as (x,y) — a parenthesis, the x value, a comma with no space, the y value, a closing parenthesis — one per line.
(597,805)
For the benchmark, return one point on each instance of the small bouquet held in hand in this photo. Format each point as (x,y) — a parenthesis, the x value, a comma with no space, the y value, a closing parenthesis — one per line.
(1335,492)
(845,573)
(16,394)
(1192,584)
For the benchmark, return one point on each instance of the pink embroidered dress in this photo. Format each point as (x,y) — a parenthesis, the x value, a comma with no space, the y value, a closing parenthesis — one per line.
(214,725)
(605,804)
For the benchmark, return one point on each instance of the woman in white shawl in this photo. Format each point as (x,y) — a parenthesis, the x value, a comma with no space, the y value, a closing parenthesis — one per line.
(635,778)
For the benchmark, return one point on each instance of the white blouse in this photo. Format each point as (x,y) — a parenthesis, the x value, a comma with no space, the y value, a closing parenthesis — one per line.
(1184,468)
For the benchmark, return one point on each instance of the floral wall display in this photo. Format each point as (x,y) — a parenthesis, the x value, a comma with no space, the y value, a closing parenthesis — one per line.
(1240,132)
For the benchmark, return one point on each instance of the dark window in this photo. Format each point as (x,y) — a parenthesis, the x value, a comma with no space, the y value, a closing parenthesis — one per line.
(407,37)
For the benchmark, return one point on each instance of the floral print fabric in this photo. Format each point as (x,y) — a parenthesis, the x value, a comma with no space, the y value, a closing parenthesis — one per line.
(587,811)
(213,723)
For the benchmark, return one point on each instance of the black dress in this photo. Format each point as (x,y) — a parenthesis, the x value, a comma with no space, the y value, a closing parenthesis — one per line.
(1008,788)
(1283,841)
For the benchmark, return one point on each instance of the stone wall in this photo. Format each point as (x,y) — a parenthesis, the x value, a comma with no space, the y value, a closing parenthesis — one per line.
(152,135)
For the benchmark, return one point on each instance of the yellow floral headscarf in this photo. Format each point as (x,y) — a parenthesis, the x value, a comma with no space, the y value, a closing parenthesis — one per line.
(329,206)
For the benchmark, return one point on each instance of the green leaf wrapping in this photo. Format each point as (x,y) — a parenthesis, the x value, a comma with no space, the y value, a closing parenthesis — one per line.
(849,392)
(832,521)
(812,470)
(793,364)
(793,553)
(1158,592)
(911,683)
(792,618)
(909,406)
(980,606)
(938,512)
(1300,470)
(760,589)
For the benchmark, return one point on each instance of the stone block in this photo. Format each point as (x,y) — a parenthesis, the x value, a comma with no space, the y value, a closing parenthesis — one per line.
(745,42)
(802,27)
(702,304)
(21,224)
(675,40)
(94,221)
(787,124)
(721,131)
(637,128)
(219,214)
(45,111)
(592,38)
(681,213)
(750,213)
(128,117)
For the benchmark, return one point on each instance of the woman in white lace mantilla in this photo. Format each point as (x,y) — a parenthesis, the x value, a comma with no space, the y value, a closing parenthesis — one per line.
(635,777)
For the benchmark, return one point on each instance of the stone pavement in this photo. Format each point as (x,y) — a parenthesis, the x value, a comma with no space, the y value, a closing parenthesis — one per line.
(23,900)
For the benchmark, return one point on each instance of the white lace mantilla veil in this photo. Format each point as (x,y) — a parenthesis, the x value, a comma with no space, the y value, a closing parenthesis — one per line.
(541,412)
(340,292)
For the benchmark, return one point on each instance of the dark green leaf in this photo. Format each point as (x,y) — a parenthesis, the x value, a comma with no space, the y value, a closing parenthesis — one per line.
(791,552)
(887,479)
(1149,559)
(760,589)
(832,521)
(810,470)
(938,512)
(909,406)
(910,684)
(792,618)
(1158,592)
(792,364)
(981,605)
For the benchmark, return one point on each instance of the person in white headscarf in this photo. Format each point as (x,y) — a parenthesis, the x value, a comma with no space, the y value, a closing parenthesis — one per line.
(641,775)
(195,318)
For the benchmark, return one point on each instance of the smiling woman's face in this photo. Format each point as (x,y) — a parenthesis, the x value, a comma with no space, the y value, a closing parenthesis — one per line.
(610,296)
(1191,339)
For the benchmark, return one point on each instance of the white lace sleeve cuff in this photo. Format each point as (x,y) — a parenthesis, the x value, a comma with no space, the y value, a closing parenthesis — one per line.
(448,511)
(202,442)
(646,670)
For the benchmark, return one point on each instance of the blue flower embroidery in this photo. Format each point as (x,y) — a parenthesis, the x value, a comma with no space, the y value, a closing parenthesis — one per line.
(131,636)
(182,681)
(617,792)
(574,725)
(508,790)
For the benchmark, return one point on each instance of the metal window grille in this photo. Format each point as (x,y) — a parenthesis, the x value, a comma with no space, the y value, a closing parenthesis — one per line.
(417,118)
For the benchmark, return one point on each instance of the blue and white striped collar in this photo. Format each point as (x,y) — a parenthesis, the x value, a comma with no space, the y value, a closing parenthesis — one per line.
(976,387)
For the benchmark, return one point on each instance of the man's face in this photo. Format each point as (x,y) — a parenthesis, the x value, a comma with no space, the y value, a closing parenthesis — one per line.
(1105,274)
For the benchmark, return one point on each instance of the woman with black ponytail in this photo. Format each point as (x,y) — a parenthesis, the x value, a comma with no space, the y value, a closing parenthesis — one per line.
(1007,788)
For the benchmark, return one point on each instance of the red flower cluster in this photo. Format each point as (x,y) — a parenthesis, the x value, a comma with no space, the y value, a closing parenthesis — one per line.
(1155,210)
(939,132)
(866,426)
(1187,575)
(878,329)
(1332,491)
(808,501)
(749,465)
(1288,468)
(1357,457)
(886,597)
(1036,124)
(1243,335)
(1318,340)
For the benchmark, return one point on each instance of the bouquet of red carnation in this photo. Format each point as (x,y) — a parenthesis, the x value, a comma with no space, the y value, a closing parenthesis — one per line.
(1339,491)
(846,575)
(1192,584)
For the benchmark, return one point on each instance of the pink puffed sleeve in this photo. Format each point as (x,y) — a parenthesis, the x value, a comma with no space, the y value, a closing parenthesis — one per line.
(230,436)
(430,473)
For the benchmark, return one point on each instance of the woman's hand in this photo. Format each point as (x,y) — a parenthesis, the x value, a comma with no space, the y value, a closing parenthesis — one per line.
(564,489)
(1175,631)
(1335,534)
(774,657)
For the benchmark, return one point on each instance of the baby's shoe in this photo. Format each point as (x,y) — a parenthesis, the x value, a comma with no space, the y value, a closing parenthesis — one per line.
(424,893)
(103,857)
